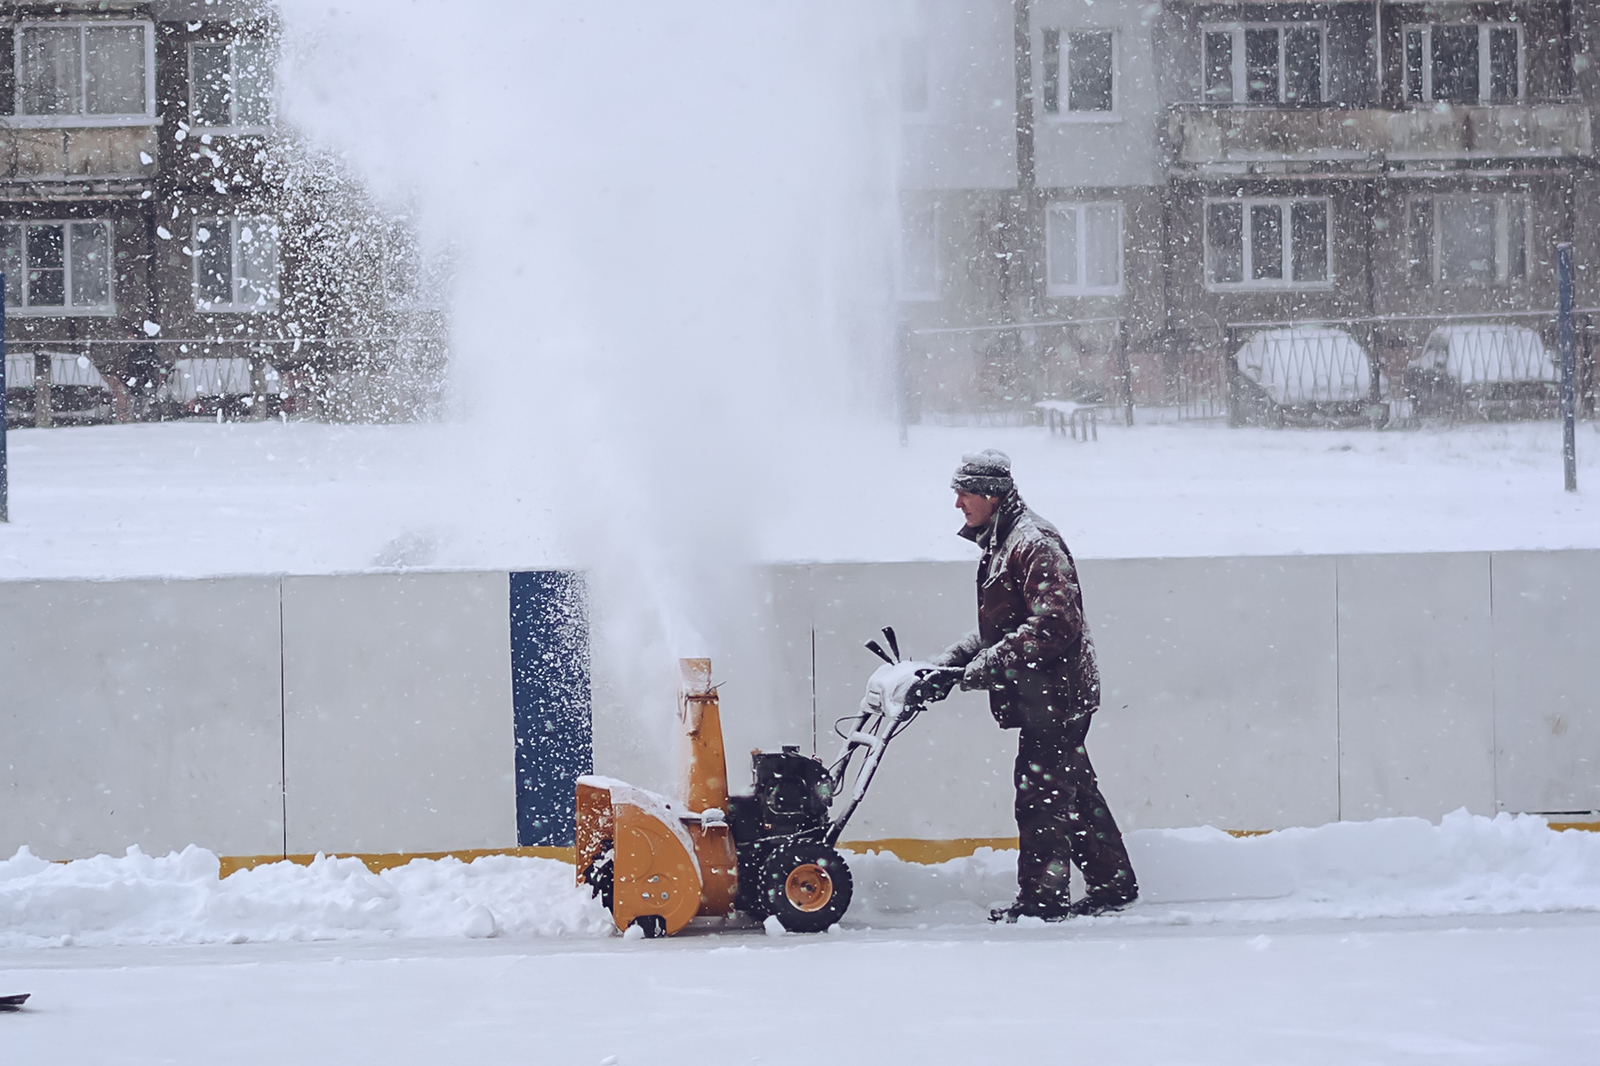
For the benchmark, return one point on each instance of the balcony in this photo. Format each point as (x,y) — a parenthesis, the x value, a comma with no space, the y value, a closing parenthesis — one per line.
(1281,140)
(102,159)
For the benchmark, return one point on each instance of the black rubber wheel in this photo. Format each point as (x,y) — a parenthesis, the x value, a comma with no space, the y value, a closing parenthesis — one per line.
(653,925)
(806,885)
(600,875)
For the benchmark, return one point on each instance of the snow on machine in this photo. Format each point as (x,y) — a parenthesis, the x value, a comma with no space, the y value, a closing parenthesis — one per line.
(657,862)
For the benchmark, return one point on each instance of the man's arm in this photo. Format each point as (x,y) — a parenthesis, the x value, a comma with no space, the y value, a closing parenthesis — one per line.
(961,652)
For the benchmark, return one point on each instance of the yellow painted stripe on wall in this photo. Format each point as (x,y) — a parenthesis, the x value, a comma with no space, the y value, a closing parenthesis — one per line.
(907,849)
(378,862)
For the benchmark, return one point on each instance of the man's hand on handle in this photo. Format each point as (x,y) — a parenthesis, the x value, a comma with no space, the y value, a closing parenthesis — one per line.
(976,673)
(933,685)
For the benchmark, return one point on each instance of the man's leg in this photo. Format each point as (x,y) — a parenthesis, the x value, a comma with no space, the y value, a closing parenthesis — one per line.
(1096,842)
(1044,825)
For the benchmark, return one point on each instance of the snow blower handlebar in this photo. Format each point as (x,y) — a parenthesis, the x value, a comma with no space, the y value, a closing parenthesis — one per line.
(896,693)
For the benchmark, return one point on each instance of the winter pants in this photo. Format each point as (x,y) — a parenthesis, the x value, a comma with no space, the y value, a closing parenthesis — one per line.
(1063,819)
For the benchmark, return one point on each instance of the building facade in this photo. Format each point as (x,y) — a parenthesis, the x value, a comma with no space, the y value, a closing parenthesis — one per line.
(170,250)
(1180,176)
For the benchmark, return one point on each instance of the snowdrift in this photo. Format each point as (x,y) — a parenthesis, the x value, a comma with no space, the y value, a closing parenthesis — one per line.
(1389,868)
(179,898)
(1398,867)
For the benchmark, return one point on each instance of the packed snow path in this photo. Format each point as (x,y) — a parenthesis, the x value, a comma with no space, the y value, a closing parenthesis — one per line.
(1498,991)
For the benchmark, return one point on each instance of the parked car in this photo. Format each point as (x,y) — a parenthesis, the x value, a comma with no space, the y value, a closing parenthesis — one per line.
(204,387)
(1489,372)
(1303,377)
(78,394)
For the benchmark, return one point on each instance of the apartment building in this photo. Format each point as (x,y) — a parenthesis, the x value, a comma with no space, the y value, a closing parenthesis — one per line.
(1185,172)
(169,250)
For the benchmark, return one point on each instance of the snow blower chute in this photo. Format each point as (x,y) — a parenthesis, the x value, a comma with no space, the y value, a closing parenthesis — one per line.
(657,862)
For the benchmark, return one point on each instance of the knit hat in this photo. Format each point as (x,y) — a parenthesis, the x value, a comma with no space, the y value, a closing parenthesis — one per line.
(985,473)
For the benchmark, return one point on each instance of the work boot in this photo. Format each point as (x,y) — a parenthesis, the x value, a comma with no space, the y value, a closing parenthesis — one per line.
(1019,909)
(1103,901)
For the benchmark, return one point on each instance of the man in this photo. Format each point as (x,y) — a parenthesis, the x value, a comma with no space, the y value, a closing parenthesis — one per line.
(1032,652)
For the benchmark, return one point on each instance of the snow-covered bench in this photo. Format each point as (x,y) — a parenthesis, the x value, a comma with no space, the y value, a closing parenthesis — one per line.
(1071,417)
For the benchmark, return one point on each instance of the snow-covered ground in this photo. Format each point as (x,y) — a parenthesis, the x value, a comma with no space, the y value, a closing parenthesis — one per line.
(201,499)
(1510,991)
(1480,943)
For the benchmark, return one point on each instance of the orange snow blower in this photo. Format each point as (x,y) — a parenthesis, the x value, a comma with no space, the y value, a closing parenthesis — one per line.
(656,862)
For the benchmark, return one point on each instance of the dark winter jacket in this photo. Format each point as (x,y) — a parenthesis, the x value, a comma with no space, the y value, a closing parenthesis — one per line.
(1032,637)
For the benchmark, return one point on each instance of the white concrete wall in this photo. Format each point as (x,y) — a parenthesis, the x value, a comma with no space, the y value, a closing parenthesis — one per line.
(1416,692)
(1546,684)
(140,712)
(1254,693)
(398,732)
(1249,693)
(1219,702)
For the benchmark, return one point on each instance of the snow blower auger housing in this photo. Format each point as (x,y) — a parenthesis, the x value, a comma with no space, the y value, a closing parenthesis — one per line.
(656,862)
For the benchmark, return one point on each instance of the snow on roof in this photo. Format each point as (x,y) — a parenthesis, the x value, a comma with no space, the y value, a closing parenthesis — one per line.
(1306,365)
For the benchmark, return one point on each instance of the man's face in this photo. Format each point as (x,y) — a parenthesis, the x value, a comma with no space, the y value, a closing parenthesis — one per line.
(977,509)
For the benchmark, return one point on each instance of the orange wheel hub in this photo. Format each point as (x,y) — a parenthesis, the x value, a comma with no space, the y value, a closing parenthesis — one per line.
(808,888)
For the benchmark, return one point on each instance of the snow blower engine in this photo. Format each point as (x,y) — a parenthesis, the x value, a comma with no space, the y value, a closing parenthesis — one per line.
(658,862)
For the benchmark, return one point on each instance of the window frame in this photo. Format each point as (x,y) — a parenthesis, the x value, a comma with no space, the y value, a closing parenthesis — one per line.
(1502,237)
(148,117)
(1079,209)
(1485,58)
(1063,80)
(233,127)
(67,309)
(233,306)
(1246,282)
(1241,76)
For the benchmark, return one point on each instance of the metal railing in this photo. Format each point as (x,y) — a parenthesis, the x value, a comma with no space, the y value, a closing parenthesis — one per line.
(1401,369)
(993,374)
(384,378)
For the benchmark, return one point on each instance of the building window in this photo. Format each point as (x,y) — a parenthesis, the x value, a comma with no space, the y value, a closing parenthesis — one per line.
(1464,63)
(1265,64)
(1266,244)
(57,267)
(84,73)
(919,253)
(1471,240)
(235,264)
(1089,58)
(230,85)
(1083,249)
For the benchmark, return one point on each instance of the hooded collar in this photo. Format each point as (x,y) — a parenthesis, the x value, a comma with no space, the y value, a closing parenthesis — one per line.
(994,532)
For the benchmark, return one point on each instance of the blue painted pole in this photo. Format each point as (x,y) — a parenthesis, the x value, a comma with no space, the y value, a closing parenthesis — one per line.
(550,702)
(5,470)
(1569,396)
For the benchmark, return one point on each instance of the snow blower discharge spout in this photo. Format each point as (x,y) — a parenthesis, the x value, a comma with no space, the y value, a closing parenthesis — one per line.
(658,862)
